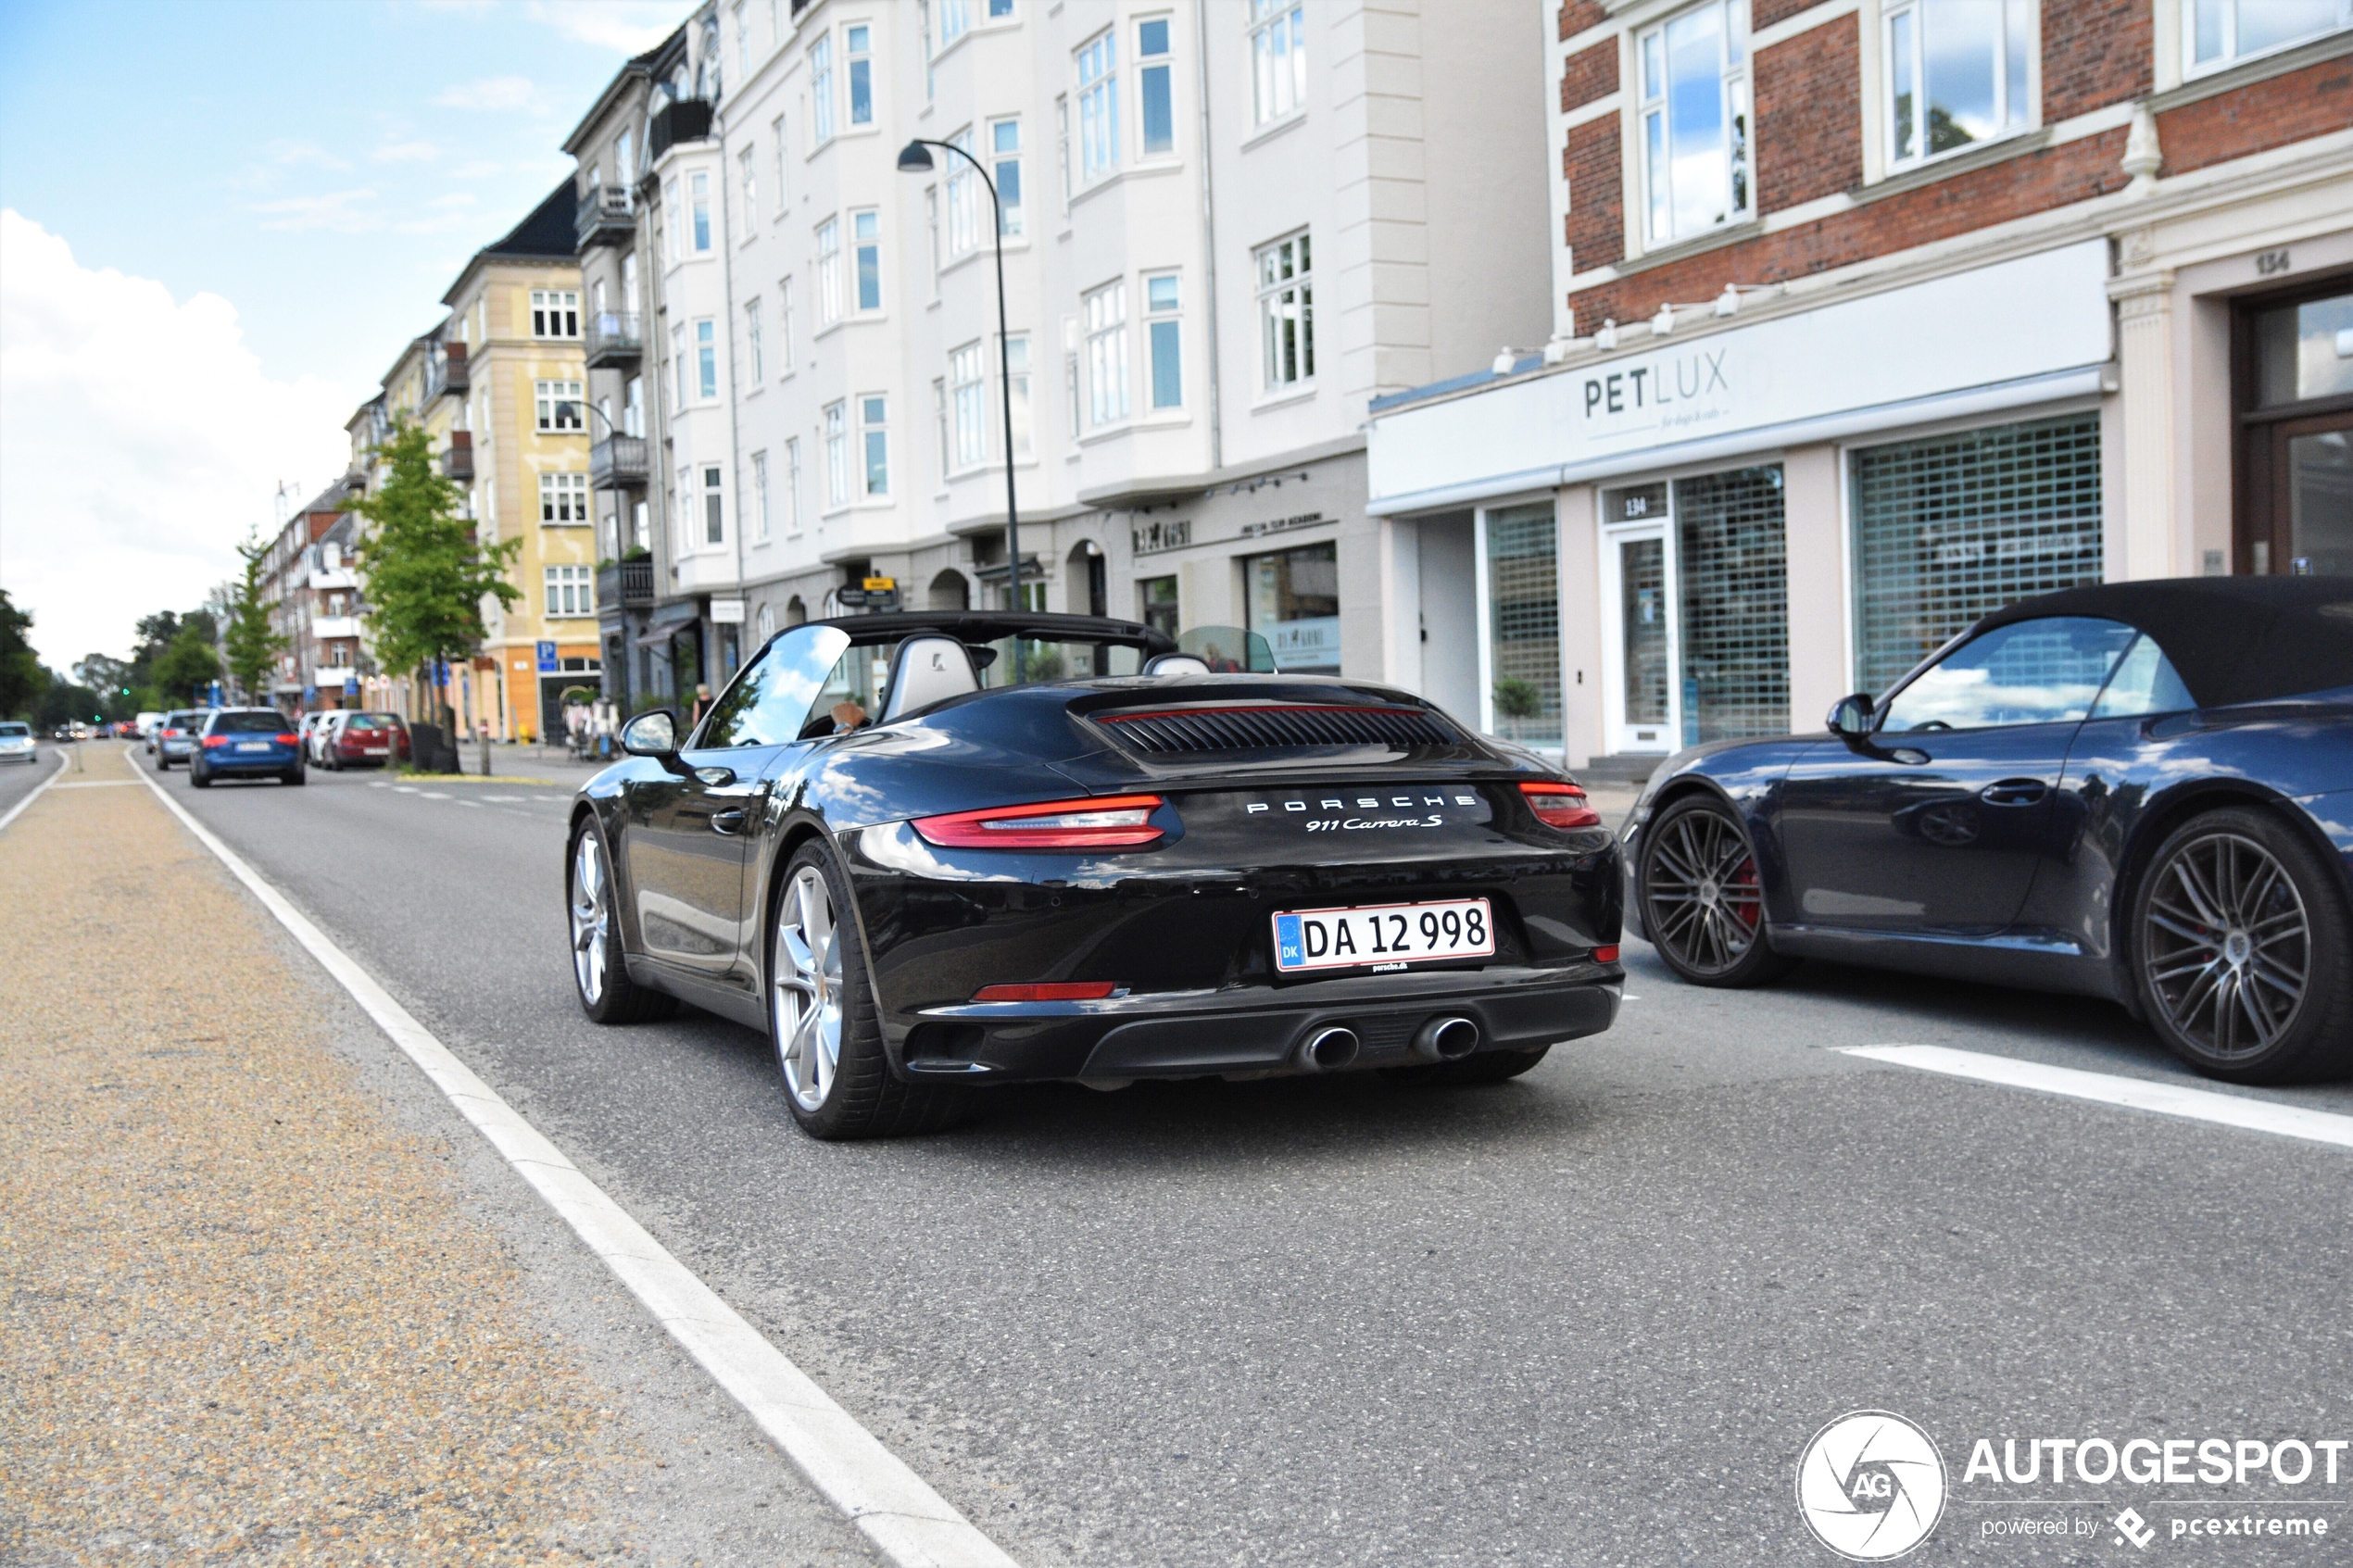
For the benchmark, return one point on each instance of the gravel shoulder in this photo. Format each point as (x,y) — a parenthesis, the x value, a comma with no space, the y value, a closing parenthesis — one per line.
(266,1295)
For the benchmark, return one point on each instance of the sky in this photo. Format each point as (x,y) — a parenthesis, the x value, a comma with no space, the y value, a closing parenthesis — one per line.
(221,221)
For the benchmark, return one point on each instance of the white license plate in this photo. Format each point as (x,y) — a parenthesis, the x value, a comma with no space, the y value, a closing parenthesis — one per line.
(1383,934)
(375,750)
(253,746)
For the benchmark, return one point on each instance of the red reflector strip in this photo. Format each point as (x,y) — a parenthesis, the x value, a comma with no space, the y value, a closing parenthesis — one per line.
(1605,955)
(1560,805)
(1112,821)
(1055,991)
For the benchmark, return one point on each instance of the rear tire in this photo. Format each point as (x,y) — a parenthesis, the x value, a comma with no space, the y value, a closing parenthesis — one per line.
(2242,951)
(198,777)
(295,776)
(599,967)
(1702,899)
(1480,1067)
(822,1021)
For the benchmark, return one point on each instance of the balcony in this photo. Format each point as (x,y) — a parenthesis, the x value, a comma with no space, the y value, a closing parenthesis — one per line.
(326,626)
(627,583)
(447,374)
(457,459)
(687,119)
(617,462)
(616,340)
(605,217)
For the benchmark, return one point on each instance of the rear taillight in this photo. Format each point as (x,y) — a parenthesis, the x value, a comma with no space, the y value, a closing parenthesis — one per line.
(211,741)
(1050,991)
(1118,821)
(289,740)
(171,734)
(1560,805)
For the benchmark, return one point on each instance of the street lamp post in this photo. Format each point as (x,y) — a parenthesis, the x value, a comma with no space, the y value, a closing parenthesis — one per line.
(914,159)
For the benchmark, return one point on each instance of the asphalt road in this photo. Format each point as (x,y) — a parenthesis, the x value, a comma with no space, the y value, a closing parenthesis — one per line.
(16,781)
(1590,1317)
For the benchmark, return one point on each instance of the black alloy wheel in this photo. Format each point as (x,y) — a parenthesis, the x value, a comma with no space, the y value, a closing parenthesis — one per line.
(2243,951)
(599,972)
(1703,900)
(822,1021)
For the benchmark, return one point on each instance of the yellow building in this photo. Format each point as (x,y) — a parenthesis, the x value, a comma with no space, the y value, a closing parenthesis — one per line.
(502,399)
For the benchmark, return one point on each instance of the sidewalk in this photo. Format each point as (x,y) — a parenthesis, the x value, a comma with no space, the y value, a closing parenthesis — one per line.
(254,1310)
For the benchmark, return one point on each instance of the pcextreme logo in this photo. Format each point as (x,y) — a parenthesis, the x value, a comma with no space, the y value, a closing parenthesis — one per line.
(1870,1486)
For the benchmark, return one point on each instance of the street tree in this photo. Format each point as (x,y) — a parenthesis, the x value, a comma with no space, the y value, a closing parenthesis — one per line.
(424,571)
(186,666)
(111,678)
(22,680)
(251,643)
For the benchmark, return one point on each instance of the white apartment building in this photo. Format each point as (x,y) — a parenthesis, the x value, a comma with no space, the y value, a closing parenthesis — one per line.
(1228,225)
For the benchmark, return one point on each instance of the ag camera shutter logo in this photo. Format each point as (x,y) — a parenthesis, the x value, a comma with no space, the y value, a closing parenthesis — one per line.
(1871,1486)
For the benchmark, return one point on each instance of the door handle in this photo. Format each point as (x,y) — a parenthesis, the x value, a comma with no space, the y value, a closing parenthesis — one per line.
(728,821)
(2013,792)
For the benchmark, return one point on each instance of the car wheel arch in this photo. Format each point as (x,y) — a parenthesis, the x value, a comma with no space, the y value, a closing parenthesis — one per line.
(1685,785)
(799,829)
(2155,825)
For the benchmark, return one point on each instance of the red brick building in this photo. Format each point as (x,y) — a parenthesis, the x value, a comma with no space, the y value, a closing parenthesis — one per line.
(1872,314)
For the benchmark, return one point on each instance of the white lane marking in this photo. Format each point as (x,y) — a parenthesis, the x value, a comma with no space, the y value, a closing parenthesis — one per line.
(37,791)
(99,784)
(406,789)
(503,799)
(558,799)
(434,794)
(476,804)
(909,1523)
(2134,1094)
(377,784)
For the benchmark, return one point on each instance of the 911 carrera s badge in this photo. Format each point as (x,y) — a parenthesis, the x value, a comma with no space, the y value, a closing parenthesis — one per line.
(1322,813)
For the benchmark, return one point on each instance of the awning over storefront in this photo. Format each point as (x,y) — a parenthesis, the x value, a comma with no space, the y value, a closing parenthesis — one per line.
(2028,331)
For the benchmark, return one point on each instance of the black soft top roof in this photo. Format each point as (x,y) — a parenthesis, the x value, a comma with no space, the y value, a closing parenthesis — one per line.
(2231,639)
(988,625)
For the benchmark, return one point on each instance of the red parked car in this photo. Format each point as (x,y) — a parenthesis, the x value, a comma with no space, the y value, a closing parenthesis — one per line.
(362,739)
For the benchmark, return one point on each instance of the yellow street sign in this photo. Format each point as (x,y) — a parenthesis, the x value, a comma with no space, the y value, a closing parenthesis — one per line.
(881,584)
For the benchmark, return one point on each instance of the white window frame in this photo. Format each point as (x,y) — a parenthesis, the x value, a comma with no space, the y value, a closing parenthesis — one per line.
(1171,317)
(857,53)
(835,426)
(2194,66)
(633,406)
(968,394)
(964,205)
(1738,105)
(1105,312)
(1277,60)
(557,405)
(750,171)
(829,271)
(955,20)
(571,591)
(873,427)
(785,325)
(939,420)
(783,187)
(1098,67)
(821,89)
(706,359)
(1279,296)
(714,506)
(1016,362)
(1143,67)
(1905,60)
(1009,219)
(564,501)
(755,362)
(699,211)
(555,313)
(792,486)
(859,244)
(759,497)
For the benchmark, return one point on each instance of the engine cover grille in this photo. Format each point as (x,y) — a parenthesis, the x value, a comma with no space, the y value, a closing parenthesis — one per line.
(1285,726)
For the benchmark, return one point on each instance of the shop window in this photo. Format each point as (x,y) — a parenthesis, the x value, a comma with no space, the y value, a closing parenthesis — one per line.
(1156,603)
(1732,573)
(2223,32)
(2294,512)
(1293,598)
(1524,624)
(1955,74)
(1949,529)
(1693,79)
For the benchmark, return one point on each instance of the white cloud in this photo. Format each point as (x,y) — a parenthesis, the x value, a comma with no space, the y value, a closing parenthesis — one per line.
(628,27)
(293,153)
(491,93)
(160,443)
(406,152)
(336,210)
(478,169)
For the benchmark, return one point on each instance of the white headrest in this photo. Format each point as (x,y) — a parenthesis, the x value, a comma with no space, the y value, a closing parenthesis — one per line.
(1176,664)
(927,670)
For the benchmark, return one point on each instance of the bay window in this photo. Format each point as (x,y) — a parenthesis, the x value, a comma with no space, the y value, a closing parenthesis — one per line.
(1098,108)
(968,397)
(1107,353)
(1156,101)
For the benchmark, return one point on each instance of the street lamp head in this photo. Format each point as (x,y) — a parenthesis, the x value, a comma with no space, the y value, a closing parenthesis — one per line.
(915,158)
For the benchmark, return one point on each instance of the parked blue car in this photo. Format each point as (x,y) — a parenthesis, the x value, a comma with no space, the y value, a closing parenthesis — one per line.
(243,742)
(2141,791)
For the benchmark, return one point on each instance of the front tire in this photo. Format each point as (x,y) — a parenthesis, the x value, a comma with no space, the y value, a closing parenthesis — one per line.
(822,1022)
(600,970)
(2243,951)
(1703,899)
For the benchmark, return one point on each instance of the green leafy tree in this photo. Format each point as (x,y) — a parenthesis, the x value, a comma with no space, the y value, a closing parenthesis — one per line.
(188,664)
(62,702)
(426,573)
(22,680)
(111,678)
(251,643)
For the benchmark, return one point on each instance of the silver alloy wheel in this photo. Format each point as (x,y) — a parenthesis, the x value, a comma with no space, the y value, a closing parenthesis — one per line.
(2226,945)
(591,916)
(1702,899)
(808,980)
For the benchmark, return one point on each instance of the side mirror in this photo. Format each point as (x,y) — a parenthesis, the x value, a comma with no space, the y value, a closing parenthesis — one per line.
(651,734)
(1851,717)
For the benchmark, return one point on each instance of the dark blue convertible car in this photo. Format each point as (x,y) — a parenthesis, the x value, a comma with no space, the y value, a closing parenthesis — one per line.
(2141,791)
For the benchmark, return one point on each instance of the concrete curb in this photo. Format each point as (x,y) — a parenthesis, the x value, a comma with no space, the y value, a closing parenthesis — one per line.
(909,1523)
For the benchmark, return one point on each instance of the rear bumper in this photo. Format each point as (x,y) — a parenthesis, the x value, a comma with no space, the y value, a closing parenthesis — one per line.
(1250,1030)
(277,762)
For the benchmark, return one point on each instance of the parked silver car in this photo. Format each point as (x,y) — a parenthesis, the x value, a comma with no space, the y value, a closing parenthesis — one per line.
(17,743)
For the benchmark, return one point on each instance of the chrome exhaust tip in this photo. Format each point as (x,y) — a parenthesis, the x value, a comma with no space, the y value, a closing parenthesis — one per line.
(1446,1039)
(1327,1050)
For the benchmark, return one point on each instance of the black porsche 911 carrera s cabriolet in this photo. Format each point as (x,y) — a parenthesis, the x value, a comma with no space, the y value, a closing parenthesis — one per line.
(931,852)
(2141,791)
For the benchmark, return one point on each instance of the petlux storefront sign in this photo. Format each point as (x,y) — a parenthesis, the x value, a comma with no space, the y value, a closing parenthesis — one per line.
(2029,329)
(1872,1486)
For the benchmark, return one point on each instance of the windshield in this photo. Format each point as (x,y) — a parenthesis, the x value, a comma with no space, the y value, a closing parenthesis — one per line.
(14,731)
